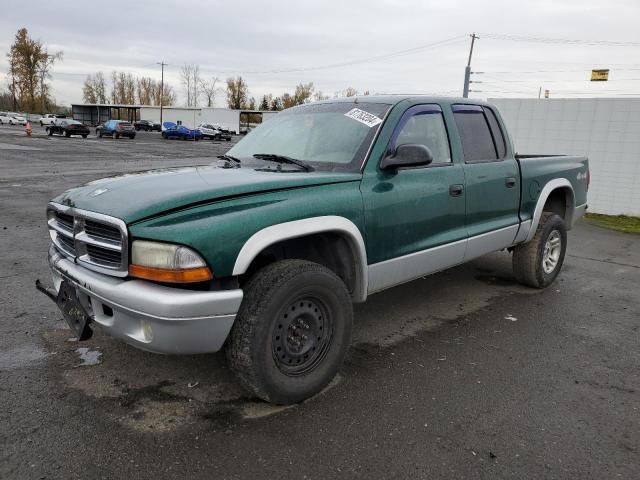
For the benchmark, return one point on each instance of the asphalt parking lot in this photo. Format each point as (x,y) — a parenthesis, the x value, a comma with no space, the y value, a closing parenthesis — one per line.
(464,374)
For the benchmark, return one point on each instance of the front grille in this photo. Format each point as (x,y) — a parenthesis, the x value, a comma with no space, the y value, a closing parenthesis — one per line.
(96,241)
(102,256)
(102,231)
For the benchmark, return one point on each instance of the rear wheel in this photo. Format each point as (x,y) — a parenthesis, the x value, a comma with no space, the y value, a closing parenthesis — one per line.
(537,263)
(115,135)
(67,134)
(84,136)
(292,331)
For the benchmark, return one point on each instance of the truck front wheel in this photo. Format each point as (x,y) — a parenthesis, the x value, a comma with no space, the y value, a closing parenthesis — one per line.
(538,262)
(292,331)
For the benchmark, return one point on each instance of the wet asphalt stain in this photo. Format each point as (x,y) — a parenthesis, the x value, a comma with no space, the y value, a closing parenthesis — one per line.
(496,280)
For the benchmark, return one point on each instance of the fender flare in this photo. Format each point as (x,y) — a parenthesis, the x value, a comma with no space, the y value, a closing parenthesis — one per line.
(307,226)
(549,187)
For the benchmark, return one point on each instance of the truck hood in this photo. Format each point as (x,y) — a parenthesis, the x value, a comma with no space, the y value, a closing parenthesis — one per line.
(134,196)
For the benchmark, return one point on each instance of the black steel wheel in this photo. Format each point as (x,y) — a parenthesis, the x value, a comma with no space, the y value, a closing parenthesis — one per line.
(302,336)
(292,331)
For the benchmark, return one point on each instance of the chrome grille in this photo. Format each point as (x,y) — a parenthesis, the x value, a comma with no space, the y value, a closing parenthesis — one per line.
(93,240)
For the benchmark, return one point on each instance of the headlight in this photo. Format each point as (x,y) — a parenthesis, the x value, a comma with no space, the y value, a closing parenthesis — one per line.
(163,262)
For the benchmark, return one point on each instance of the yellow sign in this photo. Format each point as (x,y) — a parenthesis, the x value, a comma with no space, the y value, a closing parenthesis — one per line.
(600,75)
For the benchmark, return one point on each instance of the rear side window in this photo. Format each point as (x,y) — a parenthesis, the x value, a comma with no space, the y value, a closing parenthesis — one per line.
(496,132)
(475,135)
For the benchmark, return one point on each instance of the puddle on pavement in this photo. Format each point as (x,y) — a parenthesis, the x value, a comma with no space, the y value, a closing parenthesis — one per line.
(88,356)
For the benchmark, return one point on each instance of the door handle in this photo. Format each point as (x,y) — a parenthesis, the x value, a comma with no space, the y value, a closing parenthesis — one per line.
(510,182)
(455,190)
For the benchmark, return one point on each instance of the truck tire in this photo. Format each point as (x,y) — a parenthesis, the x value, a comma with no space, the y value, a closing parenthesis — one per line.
(292,331)
(538,262)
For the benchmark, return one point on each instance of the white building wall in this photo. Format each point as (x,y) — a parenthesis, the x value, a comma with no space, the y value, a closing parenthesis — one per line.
(607,130)
(224,117)
(190,117)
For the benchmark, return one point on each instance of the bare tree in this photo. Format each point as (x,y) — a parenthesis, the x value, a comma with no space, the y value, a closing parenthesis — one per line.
(303,93)
(191,82)
(44,72)
(88,90)
(146,87)
(29,68)
(318,96)
(186,72)
(237,93)
(100,87)
(210,90)
(350,92)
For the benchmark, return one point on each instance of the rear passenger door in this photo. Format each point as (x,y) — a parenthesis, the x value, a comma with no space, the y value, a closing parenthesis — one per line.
(492,180)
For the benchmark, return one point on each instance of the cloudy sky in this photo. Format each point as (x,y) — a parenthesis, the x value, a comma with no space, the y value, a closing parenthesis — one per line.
(382,46)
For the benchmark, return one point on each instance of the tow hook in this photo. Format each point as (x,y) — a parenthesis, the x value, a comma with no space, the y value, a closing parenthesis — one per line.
(48,291)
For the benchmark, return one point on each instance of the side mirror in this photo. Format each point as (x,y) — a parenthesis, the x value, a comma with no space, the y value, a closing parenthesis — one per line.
(408,155)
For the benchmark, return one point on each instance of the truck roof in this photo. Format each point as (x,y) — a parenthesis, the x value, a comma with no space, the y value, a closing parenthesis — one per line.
(393,99)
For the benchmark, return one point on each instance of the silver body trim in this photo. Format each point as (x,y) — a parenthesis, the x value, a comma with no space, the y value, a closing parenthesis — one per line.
(299,228)
(396,271)
(523,231)
(579,212)
(490,242)
(149,316)
(542,199)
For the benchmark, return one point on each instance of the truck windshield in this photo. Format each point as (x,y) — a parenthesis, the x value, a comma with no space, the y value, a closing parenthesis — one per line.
(329,136)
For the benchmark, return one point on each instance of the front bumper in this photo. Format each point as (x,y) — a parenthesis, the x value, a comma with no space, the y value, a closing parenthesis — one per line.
(149,316)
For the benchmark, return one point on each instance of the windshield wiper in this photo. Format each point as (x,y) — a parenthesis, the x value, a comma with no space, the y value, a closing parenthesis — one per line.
(229,158)
(284,159)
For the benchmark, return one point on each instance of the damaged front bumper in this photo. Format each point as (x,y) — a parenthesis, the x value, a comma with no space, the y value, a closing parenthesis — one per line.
(149,316)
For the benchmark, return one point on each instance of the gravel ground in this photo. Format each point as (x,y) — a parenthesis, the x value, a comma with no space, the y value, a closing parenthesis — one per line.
(463,374)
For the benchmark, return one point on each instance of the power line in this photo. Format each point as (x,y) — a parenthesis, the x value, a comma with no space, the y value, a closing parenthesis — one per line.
(408,51)
(558,41)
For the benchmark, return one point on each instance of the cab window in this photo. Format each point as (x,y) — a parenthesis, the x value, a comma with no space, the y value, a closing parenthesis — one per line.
(424,125)
(475,134)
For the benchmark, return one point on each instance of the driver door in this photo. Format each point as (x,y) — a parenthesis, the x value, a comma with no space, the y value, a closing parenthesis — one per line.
(415,217)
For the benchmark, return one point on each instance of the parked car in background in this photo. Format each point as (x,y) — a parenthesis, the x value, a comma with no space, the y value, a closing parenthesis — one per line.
(116,129)
(4,117)
(68,127)
(181,132)
(17,119)
(210,131)
(50,118)
(147,126)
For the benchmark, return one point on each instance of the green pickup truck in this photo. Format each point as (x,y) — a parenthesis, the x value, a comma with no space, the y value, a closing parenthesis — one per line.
(264,251)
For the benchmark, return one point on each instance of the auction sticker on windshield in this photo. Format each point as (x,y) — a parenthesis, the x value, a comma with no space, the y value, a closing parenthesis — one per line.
(369,119)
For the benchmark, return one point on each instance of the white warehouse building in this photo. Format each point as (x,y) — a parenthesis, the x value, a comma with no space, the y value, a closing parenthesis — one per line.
(192,117)
(607,130)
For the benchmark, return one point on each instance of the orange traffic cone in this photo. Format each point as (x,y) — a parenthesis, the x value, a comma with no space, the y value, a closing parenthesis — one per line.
(28,129)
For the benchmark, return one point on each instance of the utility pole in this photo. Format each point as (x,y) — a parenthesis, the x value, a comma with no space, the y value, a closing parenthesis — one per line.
(467,70)
(162,65)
